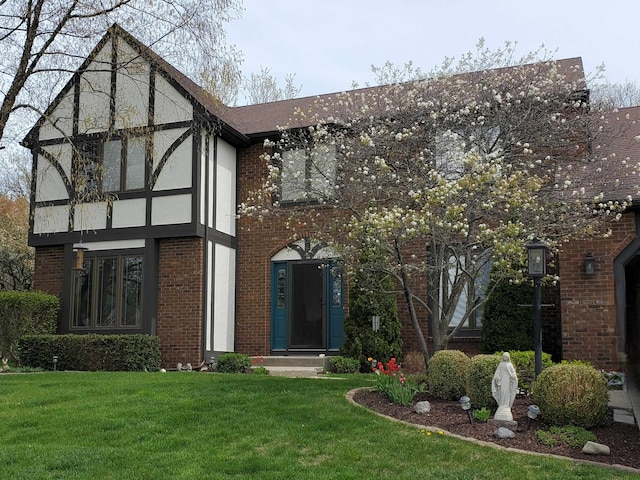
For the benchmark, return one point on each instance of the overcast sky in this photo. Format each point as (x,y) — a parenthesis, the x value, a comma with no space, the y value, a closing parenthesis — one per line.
(328,44)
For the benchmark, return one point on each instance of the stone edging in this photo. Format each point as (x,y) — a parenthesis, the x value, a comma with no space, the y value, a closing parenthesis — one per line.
(350,394)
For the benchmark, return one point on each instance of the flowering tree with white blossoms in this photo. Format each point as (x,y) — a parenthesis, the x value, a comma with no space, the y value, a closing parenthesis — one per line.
(445,177)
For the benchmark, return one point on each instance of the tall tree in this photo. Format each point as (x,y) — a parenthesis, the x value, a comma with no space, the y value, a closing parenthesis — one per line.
(16,258)
(44,41)
(447,175)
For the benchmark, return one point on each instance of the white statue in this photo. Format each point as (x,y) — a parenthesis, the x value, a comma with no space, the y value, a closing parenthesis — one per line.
(504,387)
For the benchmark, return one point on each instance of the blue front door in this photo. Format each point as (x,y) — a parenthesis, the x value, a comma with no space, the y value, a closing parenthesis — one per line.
(307,312)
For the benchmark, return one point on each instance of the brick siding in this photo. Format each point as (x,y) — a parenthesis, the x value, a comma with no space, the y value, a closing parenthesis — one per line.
(589,330)
(180,283)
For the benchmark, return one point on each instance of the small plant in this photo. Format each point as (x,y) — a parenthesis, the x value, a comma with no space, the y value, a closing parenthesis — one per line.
(572,394)
(340,364)
(393,383)
(448,374)
(233,363)
(258,366)
(482,415)
(573,436)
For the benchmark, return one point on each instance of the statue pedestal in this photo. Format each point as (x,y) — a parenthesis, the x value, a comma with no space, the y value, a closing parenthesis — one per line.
(510,424)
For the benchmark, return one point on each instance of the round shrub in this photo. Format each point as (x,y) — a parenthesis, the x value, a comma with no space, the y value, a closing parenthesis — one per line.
(233,363)
(340,364)
(447,374)
(479,377)
(571,394)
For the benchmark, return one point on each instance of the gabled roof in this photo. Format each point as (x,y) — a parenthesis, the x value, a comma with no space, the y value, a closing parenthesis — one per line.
(188,87)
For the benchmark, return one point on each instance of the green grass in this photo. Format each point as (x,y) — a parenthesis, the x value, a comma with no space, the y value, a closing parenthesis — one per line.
(209,426)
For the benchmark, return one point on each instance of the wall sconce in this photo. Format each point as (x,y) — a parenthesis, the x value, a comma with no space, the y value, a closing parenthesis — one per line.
(79,250)
(532,413)
(590,264)
(465,403)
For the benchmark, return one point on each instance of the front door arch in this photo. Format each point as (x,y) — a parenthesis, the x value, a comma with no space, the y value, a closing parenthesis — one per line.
(307,311)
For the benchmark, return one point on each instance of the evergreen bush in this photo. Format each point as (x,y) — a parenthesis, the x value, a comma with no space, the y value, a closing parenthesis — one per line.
(91,352)
(25,313)
(525,365)
(233,363)
(572,394)
(506,325)
(340,364)
(479,378)
(447,374)
(370,296)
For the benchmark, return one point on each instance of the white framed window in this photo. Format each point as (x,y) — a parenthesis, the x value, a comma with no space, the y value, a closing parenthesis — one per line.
(307,174)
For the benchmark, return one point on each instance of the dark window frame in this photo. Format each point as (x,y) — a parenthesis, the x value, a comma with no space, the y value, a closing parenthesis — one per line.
(91,299)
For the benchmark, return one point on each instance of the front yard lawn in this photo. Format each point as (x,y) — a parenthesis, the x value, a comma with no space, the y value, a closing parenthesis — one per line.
(95,425)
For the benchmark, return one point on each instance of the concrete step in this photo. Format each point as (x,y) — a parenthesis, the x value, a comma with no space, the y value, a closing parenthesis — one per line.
(292,365)
(291,361)
(297,372)
(620,403)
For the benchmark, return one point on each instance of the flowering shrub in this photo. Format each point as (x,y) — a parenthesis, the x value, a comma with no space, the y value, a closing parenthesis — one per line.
(393,383)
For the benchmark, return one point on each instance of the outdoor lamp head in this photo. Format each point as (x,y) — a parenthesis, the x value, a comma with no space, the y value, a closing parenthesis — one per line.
(465,403)
(537,253)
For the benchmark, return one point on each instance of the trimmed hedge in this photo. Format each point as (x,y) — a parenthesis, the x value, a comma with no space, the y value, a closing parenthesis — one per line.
(525,365)
(480,374)
(340,364)
(25,313)
(447,375)
(572,394)
(91,352)
(233,363)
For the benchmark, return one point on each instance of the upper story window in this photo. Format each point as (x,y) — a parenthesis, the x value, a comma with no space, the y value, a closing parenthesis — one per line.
(115,165)
(308,174)
(452,146)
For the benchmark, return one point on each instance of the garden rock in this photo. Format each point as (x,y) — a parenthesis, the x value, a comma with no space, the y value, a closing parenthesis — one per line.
(593,448)
(422,407)
(503,432)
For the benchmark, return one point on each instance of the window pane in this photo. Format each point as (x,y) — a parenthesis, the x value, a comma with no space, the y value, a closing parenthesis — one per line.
(293,175)
(88,177)
(323,171)
(131,291)
(107,297)
(81,308)
(135,163)
(112,167)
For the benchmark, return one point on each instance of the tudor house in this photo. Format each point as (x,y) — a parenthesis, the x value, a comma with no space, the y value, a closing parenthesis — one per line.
(137,173)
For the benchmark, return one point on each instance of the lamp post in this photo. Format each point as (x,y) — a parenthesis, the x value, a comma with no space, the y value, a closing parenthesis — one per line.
(537,265)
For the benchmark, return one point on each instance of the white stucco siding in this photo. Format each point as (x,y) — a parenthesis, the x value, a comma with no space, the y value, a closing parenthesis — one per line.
(170,210)
(129,213)
(226,188)
(203,177)
(49,181)
(90,216)
(59,124)
(95,94)
(208,328)
(176,171)
(224,299)
(51,219)
(132,88)
(170,105)
(114,245)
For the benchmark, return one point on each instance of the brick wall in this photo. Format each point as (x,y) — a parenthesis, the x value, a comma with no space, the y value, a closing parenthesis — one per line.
(48,273)
(180,284)
(589,329)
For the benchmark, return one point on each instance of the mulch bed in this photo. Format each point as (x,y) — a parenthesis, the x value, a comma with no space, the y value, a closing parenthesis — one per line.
(623,440)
